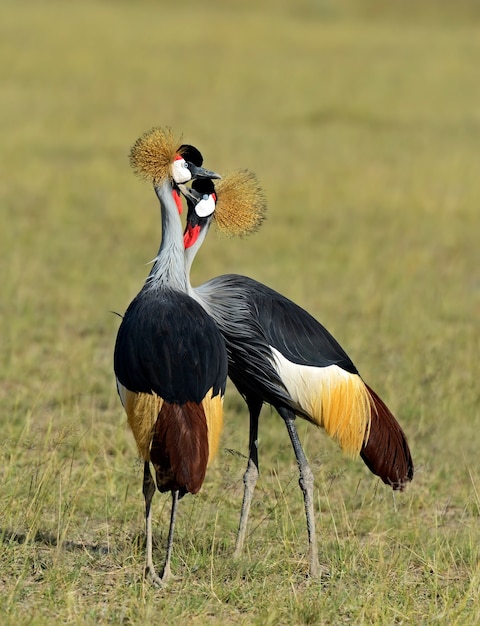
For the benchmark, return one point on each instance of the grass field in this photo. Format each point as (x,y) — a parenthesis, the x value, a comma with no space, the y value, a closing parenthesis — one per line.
(362,122)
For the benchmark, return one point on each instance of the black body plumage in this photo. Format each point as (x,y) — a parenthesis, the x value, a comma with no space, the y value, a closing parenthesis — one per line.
(254,318)
(166,344)
(288,328)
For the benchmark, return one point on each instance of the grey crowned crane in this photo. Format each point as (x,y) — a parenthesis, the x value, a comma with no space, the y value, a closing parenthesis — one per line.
(170,360)
(280,355)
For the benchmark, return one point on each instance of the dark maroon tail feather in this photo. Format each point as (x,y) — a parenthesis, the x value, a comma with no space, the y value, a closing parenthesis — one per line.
(386,452)
(179,450)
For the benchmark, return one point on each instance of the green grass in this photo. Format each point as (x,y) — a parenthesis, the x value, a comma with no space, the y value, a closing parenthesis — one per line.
(362,122)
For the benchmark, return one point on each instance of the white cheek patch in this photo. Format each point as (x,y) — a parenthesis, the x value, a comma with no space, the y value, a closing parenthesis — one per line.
(180,171)
(206,206)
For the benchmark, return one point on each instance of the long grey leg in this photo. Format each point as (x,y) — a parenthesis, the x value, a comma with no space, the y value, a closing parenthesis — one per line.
(148,491)
(306,485)
(167,573)
(251,474)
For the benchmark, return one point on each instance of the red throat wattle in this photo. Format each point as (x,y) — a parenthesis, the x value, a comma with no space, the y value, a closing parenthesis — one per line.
(191,235)
(178,200)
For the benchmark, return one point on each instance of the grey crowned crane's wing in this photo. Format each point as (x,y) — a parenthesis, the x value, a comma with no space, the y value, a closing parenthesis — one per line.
(168,345)
(250,357)
(291,330)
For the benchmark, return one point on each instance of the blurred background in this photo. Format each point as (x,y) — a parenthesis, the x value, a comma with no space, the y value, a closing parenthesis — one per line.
(361,120)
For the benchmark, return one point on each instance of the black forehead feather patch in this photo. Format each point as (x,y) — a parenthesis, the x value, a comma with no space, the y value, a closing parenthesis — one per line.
(191,154)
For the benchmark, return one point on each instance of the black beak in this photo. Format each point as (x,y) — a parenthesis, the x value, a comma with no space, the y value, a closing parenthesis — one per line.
(201,172)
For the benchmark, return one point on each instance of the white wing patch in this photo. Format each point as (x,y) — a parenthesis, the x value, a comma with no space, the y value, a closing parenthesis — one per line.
(333,398)
(305,383)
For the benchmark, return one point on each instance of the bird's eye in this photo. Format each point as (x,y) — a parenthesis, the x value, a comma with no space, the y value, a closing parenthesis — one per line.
(205,196)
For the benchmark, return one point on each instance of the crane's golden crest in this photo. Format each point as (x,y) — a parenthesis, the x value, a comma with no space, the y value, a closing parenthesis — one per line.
(241,204)
(152,155)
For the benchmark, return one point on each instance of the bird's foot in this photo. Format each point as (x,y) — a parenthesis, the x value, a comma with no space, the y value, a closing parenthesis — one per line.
(155,579)
(238,551)
(167,573)
(318,571)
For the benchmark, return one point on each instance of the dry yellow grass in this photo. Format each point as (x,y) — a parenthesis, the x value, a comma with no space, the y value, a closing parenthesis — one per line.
(362,125)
